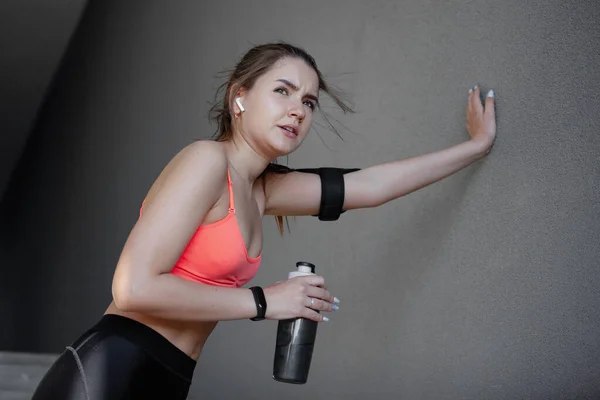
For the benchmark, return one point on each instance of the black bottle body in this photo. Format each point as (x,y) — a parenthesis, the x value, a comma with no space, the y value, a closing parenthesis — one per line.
(295,342)
(294,350)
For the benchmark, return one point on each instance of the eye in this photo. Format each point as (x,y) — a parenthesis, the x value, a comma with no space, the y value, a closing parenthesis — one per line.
(284,91)
(310,104)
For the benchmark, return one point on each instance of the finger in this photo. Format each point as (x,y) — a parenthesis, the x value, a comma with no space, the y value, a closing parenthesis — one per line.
(321,305)
(320,293)
(476,103)
(314,303)
(490,103)
(315,280)
(471,98)
(313,315)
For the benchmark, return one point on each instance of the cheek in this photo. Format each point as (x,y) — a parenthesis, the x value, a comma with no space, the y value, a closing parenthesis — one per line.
(276,106)
(270,112)
(259,121)
(307,123)
(268,104)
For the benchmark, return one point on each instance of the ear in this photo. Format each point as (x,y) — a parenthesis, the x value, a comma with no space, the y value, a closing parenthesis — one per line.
(235,94)
(238,102)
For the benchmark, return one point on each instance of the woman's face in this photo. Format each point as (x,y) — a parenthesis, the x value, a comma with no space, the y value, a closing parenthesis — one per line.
(279,108)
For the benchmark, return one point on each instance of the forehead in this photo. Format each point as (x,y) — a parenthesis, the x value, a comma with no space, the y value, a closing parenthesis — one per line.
(296,71)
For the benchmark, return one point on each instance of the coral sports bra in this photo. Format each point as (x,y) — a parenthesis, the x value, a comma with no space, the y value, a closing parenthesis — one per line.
(216,254)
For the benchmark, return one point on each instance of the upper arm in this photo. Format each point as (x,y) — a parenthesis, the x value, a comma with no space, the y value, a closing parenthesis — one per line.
(189,187)
(300,193)
(292,193)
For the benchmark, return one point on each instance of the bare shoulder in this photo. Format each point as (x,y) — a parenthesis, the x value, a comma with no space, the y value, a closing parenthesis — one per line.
(202,158)
(195,171)
(205,153)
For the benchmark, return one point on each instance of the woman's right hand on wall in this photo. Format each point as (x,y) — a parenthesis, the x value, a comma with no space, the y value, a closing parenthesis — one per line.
(299,297)
(481,119)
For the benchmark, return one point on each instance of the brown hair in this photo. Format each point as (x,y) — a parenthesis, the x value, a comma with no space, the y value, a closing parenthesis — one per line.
(254,63)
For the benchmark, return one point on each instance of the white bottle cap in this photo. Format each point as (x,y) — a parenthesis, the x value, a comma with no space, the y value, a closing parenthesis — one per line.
(304,268)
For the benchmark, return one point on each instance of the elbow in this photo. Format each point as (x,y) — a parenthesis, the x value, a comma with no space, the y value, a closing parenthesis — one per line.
(127,296)
(379,195)
(375,198)
(122,296)
(122,300)
(365,194)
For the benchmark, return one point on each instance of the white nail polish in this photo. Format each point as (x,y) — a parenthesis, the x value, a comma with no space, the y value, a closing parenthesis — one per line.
(325,319)
(490,93)
(336,300)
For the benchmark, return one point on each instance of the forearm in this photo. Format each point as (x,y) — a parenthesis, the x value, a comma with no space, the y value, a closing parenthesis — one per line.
(171,297)
(392,180)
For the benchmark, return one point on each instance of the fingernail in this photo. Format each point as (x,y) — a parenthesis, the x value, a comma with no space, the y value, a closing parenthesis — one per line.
(336,300)
(490,93)
(325,319)
(471,90)
(475,87)
(335,308)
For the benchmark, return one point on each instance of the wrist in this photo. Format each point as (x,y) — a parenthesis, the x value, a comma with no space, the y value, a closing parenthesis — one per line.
(480,147)
(260,303)
(249,305)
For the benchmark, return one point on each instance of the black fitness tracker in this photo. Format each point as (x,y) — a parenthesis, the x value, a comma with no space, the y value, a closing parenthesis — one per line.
(261,303)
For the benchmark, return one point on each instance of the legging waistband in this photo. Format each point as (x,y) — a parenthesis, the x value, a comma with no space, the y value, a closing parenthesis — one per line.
(149,339)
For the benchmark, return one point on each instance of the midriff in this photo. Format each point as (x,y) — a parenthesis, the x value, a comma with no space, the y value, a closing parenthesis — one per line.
(189,337)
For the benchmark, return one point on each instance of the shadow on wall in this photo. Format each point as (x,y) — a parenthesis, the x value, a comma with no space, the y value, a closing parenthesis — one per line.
(32,265)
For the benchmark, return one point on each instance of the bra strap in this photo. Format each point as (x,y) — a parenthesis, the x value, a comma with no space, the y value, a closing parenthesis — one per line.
(230,187)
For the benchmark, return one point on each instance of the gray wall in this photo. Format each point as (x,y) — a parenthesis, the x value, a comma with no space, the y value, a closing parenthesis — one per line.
(484,285)
(34,35)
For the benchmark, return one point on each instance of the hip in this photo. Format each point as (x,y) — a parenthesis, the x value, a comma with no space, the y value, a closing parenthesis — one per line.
(118,358)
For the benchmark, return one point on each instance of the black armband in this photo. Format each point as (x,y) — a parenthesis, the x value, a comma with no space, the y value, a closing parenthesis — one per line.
(332,191)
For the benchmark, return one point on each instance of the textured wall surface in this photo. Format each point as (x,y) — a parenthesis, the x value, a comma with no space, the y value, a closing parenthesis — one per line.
(484,285)
(33,37)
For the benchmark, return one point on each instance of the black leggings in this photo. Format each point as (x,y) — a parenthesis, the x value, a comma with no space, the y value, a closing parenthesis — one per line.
(118,359)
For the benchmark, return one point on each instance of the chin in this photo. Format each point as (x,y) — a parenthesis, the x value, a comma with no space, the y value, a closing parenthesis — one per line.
(283,145)
(281,150)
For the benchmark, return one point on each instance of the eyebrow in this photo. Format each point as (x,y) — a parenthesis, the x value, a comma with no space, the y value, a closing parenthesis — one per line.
(290,84)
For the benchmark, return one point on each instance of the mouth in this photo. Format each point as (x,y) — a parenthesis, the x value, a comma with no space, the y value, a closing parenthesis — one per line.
(289,130)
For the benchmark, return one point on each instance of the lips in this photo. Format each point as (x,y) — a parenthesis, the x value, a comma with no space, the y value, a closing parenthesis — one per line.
(289,130)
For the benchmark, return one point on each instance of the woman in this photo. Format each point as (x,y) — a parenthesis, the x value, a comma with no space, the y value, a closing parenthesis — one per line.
(198,238)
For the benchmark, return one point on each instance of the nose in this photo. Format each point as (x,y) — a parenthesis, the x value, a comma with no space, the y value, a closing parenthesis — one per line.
(297,110)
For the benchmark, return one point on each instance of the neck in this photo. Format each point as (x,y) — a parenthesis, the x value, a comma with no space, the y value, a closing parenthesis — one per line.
(246,162)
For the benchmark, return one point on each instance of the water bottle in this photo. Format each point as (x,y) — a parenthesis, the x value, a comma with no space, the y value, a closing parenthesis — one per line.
(295,341)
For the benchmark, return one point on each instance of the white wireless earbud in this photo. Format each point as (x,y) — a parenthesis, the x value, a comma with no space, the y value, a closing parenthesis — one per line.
(239,103)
